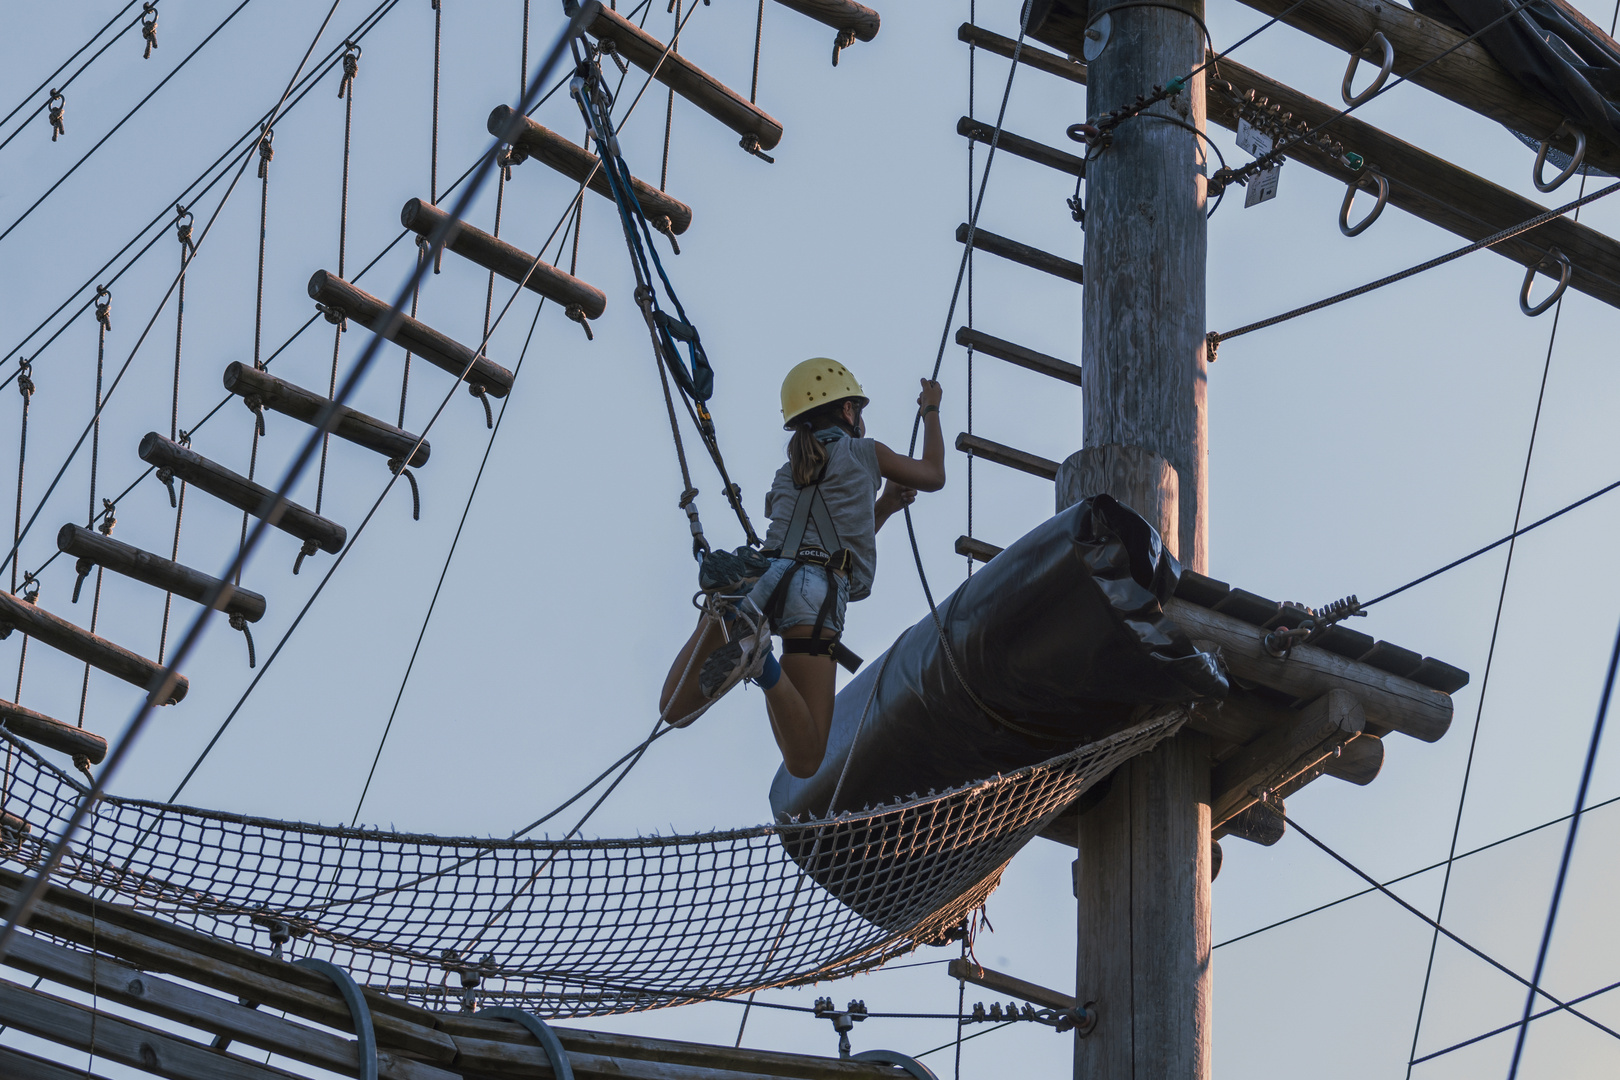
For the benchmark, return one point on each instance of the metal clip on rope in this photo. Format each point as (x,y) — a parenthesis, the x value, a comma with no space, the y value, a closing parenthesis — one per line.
(1378,39)
(1561,259)
(103,304)
(700,544)
(1574,161)
(1350,197)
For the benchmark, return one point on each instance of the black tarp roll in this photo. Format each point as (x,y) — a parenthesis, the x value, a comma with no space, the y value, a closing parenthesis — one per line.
(1063,635)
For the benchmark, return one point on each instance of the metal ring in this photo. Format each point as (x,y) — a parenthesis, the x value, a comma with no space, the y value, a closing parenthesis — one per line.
(560,1066)
(1378,39)
(365,1035)
(1557,294)
(1350,197)
(890,1057)
(1574,160)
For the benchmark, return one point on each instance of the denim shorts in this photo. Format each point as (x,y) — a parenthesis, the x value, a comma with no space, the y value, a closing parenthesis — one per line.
(805,594)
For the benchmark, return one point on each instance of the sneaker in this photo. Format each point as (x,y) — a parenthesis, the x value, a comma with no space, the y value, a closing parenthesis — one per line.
(743,657)
(729,571)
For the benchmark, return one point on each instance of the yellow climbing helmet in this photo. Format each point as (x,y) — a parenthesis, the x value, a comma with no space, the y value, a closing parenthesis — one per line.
(815,382)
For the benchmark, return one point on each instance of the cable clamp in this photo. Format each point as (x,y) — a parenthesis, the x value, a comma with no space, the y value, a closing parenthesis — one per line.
(843,1022)
(351,68)
(508,155)
(25,382)
(109,511)
(282,930)
(1317,622)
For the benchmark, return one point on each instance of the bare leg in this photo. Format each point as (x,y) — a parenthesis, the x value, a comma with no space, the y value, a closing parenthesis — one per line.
(704,640)
(801,707)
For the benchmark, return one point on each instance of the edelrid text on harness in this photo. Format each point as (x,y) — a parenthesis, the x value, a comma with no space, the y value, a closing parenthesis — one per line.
(811,506)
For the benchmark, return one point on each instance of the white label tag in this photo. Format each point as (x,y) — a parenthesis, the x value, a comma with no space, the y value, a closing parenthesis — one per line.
(1262,187)
(1254,141)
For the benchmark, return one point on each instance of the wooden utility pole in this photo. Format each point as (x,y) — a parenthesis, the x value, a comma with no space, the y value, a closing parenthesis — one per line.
(1142,876)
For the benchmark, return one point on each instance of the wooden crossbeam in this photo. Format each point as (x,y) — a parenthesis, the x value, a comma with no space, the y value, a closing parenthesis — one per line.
(1019,355)
(858,19)
(290,399)
(1313,734)
(50,732)
(1002,983)
(1035,57)
(1001,454)
(81,644)
(1018,146)
(1045,261)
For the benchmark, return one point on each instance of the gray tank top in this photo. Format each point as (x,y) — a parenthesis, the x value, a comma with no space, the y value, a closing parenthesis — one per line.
(850,489)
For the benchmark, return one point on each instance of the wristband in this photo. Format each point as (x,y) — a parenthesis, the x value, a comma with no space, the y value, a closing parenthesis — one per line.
(926,409)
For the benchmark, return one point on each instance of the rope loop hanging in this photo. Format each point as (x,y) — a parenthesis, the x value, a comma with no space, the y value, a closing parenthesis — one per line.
(54,106)
(183,219)
(267,153)
(397,467)
(239,622)
(103,303)
(149,21)
(351,67)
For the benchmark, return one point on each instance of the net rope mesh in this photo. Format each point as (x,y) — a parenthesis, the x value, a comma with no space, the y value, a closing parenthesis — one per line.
(567,928)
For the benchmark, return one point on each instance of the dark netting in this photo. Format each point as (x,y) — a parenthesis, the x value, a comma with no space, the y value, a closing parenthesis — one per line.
(577,927)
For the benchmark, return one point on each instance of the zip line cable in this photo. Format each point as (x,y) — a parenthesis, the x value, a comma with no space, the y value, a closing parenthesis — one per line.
(366,25)
(33,888)
(52,76)
(1593,743)
(1599,992)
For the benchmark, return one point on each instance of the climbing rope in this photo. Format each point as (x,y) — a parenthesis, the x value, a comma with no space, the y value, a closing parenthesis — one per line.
(103,325)
(267,154)
(182,228)
(351,68)
(753,83)
(25,385)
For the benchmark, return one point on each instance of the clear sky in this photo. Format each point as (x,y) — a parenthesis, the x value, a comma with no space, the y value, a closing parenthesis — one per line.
(1351,450)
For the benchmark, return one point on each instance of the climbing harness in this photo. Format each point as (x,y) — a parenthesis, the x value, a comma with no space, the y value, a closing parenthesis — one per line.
(833,558)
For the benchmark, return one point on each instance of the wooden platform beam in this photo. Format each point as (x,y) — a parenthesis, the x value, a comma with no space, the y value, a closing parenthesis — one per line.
(861,21)
(1017,354)
(292,400)
(1001,454)
(92,547)
(52,733)
(81,644)
(684,77)
(1030,54)
(1314,734)
(1018,146)
(577,163)
(1035,258)
(408,333)
(512,263)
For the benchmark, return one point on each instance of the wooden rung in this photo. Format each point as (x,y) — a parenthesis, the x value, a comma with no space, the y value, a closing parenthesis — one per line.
(685,78)
(409,333)
(240,492)
(575,162)
(51,733)
(510,262)
(977,550)
(1035,258)
(1018,146)
(1030,54)
(1017,354)
(11,823)
(840,15)
(1257,825)
(90,546)
(1033,464)
(292,400)
(81,644)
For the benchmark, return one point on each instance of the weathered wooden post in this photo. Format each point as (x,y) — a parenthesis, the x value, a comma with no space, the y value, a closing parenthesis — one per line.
(1143,873)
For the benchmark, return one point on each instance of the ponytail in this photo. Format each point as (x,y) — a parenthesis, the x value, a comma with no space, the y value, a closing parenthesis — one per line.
(806,453)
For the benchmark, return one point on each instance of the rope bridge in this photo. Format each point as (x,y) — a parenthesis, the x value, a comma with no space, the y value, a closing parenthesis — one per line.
(568,928)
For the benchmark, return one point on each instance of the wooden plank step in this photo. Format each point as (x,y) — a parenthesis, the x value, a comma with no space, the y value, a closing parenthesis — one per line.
(685,78)
(408,333)
(232,487)
(861,21)
(290,399)
(1018,354)
(575,162)
(91,547)
(81,644)
(512,263)
(1018,146)
(52,733)
(1033,464)
(1030,54)
(977,550)
(1016,252)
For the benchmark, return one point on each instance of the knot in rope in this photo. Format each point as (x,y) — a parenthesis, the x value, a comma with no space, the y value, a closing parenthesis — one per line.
(1212,342)
(750,143)
(166,475)
(310,547)
(577,313)
(645,296)
(182,229)
(255,404)
(82,763)
(239,622)
(351,67)
(509,155)
(267,153)
(336,316)
(55,104)
(149,21)
(397,467)
(82,568)
(184,437)
(25,384)
(845,38)
(109,512)
(667,227)
(103,304)
(481,392)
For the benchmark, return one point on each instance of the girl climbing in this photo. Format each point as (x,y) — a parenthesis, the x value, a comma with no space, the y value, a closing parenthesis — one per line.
(820,553)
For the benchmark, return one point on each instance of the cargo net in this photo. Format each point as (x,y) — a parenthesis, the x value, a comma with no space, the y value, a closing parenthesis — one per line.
(566,928)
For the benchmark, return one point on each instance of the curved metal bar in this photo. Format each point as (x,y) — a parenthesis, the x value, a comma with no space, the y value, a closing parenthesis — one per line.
(365,1036)
(542,1032)
(890,1057)
(1574,160)
(1350,198)
(1382,42)
(1530,278)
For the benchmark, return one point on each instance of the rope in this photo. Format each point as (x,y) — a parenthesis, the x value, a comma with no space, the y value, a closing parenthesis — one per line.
(1485,679)
(669,111)
(433,156)
(973,52)
(103,324)
(1569,854)
(182,231)
(351,68)
(753,85)
(49,79)
(25,384)
(266,155)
